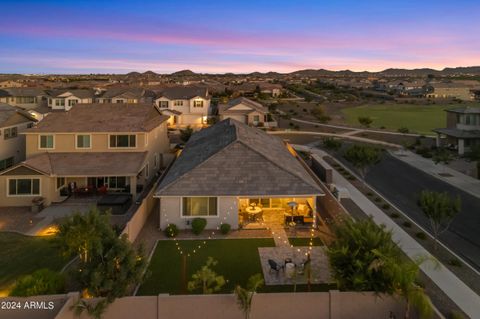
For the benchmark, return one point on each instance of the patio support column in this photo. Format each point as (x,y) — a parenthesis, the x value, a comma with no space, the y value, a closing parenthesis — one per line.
(437,140)
(461,146)
(314,201)
(133,186)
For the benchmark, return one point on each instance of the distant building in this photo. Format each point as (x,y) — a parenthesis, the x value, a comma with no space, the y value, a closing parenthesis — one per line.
(185,105)
(13,121)
(126,95)
(245,111)
(463,129)
(65,99)
(26,98)
(451,90)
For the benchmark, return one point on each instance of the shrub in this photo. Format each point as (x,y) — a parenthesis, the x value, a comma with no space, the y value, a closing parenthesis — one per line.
(377,199)
(386,206)
(455,262)
(171,230)
(225,228)
(403,130)
(365,121)
(351,177)
(456,315)
(331,143)
(394,215)
(421,235)
(407,224)
(41,282)
(198,225)
(369,194)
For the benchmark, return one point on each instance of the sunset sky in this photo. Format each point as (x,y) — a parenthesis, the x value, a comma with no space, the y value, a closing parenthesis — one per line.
(236,36)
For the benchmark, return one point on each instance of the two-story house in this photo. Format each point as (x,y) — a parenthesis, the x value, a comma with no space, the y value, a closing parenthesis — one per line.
(13,121)
(26,98)
(185,105)
(126,95)
(245,111)
(65,99)
(106,147)
(463,129)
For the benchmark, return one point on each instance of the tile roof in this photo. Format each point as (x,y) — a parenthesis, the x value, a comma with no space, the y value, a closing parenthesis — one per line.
(24,91)
(102,117)
(124,92)
(255,106)
(88,163)
(11,115)
(183,92)
(232,159)
(80,93)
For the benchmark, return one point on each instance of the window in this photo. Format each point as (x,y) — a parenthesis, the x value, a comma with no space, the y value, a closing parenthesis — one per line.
(199,206)
(83,141)
(24,187)
(10,133)
(119,101)
(265,202)
(122,140)
(256,118)
(6,163)
(178,103)
(72,102)
(59,102)
(117,182)
(132,101)
(46,141)
(197,103)
(163,104)
(29,125)
(60,182)
(26,99)
(49,101)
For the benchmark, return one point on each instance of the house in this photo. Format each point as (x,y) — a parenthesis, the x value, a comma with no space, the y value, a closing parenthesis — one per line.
(463,129)
(65,99)
(245,111)
(94,148)
(13,121)
(271,89)
(126,95)
(26,98)
(229,167)
(185,105)
(451,90)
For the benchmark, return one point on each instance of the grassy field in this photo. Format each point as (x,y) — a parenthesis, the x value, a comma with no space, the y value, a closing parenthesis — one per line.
(417,118)
(238,259)
(21,255)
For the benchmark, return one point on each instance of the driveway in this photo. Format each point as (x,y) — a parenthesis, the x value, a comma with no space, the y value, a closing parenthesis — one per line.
(402,184)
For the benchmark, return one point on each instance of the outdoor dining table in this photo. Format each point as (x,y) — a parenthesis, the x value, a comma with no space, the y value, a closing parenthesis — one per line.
(253,211)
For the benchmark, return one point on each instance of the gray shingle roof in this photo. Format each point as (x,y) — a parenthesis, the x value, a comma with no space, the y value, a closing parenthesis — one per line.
(183,92)
(233,159)
(11,115)
(465,110)
(475,134)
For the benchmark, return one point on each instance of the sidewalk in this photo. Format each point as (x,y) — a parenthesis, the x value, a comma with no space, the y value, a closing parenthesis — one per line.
(453,287)
(465,183)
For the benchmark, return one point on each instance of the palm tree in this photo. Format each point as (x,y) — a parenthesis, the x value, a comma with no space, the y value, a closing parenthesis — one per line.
(245,296)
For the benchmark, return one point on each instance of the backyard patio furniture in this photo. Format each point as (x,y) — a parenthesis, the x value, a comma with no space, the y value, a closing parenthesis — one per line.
(252,212)
(274,266)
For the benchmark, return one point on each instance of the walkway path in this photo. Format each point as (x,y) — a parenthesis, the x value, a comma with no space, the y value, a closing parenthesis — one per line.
(464,182)
(453,287)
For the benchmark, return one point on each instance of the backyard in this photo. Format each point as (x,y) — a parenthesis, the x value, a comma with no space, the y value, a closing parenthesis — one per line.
(23,255)
(417,118)
(238,259)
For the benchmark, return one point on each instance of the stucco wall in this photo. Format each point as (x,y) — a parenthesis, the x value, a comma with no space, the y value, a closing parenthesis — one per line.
(47,190)
(13,147)
(170,212)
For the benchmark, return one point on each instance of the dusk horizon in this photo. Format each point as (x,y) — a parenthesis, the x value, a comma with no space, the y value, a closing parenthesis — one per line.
(84,37)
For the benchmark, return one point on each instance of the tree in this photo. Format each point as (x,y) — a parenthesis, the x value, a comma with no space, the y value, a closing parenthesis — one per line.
(245,295)
(442,155)
(186,134)
(41,282)
(206,278)
(440,210)
(108,264)
(364,258)
(365,121)
(362,157)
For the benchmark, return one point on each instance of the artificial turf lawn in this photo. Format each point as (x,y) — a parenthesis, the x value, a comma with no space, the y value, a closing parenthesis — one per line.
(238,259)
(22,255)
(417,118)
(305,241)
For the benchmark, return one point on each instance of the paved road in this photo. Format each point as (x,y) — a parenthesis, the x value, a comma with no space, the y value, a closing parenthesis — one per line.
(402,183)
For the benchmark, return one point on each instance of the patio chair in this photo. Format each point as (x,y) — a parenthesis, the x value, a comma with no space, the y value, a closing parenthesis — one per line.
(274,266)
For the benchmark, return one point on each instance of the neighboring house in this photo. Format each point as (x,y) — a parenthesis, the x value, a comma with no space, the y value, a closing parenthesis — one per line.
(65,99)
(185,105)
(128,95)
(463,129)
(245,111)
(114,147)
(11,84)
(26,98)
(270,88)
(13,121)
(225,168)
(451,90)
